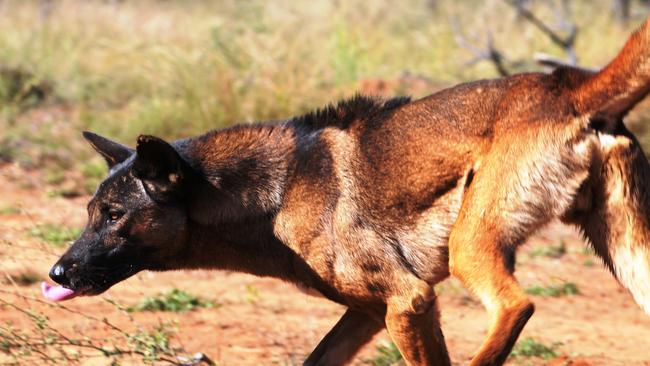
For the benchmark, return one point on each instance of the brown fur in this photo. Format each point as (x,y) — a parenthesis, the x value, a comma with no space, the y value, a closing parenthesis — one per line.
(371,202)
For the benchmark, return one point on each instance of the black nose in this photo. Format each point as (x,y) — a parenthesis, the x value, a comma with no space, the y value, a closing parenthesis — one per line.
(57,274)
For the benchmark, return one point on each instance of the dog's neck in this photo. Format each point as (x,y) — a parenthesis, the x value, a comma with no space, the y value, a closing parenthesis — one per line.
(243,173)
(246,167)
(249,246)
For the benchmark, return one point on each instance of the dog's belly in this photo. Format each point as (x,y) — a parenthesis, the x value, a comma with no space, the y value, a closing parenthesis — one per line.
(424,243)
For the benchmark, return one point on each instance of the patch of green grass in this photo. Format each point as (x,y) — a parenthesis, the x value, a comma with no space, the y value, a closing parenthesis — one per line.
(54,176)
(588,262)
(550,251)
(563,289)
(20,89)
(588,251)
(8,151)
(153,343)
(94,172)
(64,192)
(173,301)
(529,347)
(252,294)
(9,210)
(55,235)
(387,355)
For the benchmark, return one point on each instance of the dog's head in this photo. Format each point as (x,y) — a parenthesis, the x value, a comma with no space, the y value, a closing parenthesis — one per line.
(136,219)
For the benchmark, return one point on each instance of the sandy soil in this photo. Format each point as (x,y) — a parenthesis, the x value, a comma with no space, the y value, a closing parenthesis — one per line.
(266,322)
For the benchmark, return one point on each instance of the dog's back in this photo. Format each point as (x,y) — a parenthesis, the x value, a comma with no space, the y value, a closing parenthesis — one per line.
(394,179)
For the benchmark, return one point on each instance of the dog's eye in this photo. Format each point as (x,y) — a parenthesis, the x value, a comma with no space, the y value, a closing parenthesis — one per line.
(113,216)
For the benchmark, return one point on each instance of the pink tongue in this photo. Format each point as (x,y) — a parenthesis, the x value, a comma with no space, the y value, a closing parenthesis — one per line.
(56,293)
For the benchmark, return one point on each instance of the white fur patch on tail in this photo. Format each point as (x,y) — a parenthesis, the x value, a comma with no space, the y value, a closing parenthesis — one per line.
(633,271)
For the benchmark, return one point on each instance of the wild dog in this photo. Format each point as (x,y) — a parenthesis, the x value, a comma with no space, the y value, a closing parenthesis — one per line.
(372,201)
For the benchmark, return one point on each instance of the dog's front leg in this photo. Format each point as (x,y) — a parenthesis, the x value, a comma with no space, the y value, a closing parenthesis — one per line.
(352,331)
(414,327)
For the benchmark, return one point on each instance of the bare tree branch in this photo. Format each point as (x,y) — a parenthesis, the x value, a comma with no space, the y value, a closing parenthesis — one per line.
(487,53)
(566,43)
(503,66)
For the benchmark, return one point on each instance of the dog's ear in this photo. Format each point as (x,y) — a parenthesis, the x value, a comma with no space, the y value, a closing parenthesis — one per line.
(162,170)
(113,152)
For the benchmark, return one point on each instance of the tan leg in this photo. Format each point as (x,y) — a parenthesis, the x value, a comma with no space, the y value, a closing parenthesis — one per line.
(481,256)
(520,186)
(508,307)
(417,334)
(352,331)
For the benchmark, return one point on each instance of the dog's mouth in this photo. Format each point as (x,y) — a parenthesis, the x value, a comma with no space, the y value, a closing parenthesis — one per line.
(89,287)
(61,293)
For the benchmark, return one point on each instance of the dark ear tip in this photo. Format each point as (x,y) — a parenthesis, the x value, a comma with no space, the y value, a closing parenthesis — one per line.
(88,135)
(143,139)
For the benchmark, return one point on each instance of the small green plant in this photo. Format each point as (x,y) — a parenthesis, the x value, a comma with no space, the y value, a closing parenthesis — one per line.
(588,262)
(153,343)
(174,301)
(551,251)
(40,342)
(54,176)
(252,294)
(387,355)
(529,347)
(588,251)
(55,235)
(9,210)
(563,289)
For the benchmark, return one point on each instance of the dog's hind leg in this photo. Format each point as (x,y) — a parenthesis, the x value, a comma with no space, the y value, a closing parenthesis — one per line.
(518,188)
(488,274)
(352,331)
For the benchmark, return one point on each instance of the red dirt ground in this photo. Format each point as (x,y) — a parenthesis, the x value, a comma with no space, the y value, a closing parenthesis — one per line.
(263,321)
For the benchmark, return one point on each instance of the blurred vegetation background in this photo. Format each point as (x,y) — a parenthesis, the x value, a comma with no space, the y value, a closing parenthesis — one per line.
(177,68)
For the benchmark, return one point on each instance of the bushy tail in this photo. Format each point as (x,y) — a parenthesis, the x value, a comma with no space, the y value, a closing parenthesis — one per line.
(619,86)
